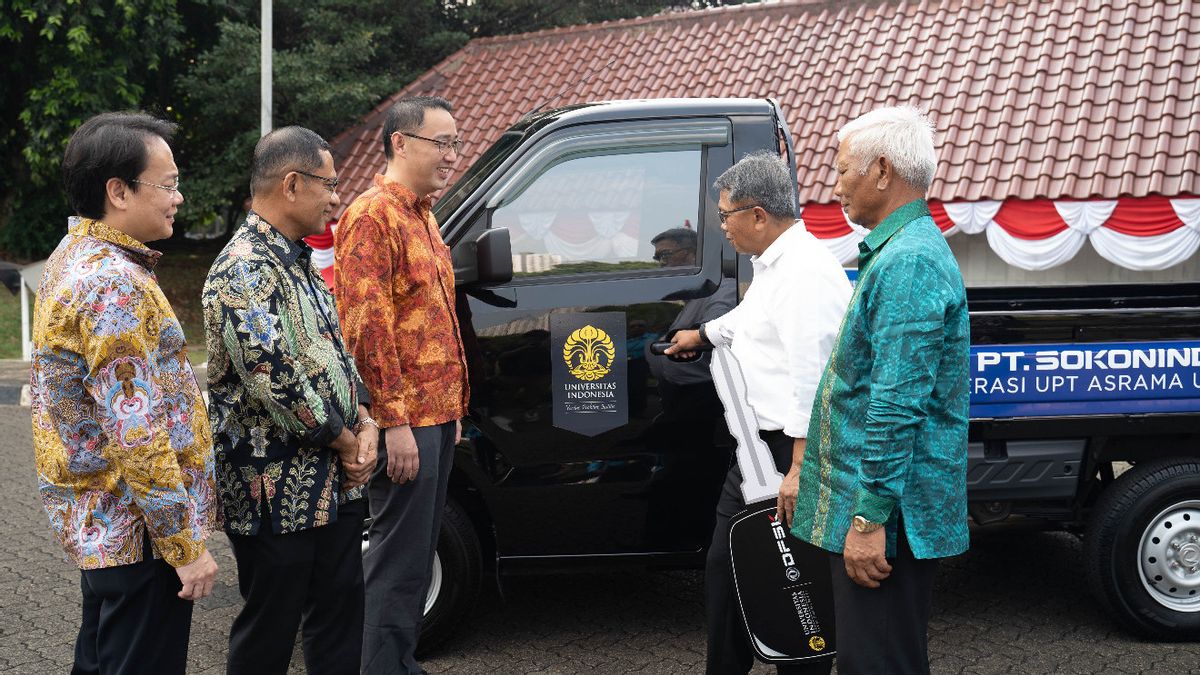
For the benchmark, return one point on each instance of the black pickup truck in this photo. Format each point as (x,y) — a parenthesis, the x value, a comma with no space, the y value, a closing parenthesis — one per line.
(1085,399)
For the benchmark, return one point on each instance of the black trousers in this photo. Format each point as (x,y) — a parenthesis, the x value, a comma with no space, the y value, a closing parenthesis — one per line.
(133,620)
(310,580)
(729,650)
(885,630)
(405,521)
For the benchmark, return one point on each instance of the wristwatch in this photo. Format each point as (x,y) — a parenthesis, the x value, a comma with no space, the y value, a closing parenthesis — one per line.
(864,526)
(365,419)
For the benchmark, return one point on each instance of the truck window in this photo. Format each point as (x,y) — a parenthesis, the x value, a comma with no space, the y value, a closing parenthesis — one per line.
(599,213)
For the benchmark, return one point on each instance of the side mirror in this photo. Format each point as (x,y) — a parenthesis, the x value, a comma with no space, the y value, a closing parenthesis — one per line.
(493,255)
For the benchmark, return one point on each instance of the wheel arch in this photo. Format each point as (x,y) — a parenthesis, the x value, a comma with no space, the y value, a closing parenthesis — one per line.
(468,494)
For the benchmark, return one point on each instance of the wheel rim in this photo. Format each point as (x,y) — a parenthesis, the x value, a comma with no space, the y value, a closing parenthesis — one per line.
(1169,557)
(435,584)
(435,577)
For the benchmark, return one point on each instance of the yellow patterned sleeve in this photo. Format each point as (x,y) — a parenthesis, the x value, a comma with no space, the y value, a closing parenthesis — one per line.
(120,332)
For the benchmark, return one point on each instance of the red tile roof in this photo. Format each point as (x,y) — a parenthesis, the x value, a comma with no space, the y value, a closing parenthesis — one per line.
(1053,99)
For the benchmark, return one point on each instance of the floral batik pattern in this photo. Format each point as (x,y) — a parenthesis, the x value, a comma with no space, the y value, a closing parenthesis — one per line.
(122,441)
(281,384)
(395,285)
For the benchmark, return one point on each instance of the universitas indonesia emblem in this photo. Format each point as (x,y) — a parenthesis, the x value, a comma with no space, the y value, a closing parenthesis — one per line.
(589,353)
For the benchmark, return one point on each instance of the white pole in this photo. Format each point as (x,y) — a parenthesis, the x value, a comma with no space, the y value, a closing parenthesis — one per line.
(31,281)
(265,79)
(26,340)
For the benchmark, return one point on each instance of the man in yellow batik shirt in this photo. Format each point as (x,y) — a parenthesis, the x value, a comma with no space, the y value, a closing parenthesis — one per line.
(124,450)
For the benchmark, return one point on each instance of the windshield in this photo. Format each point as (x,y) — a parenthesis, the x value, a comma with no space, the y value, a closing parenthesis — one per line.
(479,171)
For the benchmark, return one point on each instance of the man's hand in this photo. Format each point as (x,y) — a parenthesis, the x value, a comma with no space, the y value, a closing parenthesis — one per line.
(785,503)
(685,343)
(359,471)
(866,564)
(457,431)
(197,577)
(346,445)
(357,454)
(402,456)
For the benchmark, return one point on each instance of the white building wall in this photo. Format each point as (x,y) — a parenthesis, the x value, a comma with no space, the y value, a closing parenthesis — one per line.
(982,267)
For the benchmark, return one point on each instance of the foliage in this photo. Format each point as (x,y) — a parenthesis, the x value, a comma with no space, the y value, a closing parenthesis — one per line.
(64,61)
(505,17)
(333,60)
(10,325)
(197,62)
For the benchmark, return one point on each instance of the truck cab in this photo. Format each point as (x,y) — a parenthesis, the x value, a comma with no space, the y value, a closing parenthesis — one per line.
(603,216)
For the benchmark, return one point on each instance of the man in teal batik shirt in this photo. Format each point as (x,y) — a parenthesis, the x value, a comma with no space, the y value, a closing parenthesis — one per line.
(883,482)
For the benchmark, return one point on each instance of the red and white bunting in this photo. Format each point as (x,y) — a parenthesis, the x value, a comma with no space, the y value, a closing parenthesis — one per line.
(1137,233)
(322,257)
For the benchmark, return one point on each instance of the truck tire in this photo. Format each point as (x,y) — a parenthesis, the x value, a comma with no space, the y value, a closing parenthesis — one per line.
(1142,549)
(454,581)
(454,584)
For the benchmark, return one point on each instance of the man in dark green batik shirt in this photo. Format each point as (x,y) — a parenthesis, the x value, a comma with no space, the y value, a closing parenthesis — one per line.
(883,483)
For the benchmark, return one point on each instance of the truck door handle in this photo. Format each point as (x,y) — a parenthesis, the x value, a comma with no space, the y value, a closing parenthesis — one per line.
(660,347)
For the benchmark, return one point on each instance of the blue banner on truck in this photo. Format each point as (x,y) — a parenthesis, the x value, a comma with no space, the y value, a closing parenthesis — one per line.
(1101,378)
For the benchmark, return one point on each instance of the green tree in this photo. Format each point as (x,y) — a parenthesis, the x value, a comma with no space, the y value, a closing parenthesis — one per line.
(505,17)
(66,60)
(197,62)
(333,61)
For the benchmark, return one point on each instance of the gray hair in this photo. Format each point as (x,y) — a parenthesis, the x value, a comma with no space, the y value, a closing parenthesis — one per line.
(763,178)
(902,134)
(283,150)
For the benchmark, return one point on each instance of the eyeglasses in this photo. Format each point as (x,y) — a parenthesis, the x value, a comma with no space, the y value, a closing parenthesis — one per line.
(169,188)
(725,214)
(662,255)
(329,183)
(443,146)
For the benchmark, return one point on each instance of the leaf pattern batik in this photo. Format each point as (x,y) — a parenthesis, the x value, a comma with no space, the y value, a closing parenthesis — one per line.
(888,432)
(123,445)
(281,384)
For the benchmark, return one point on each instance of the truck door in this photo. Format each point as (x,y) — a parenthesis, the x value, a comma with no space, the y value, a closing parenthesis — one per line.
(586,209)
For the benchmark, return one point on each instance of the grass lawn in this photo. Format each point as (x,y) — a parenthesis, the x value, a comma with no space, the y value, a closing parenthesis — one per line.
(10,325)
(181,273)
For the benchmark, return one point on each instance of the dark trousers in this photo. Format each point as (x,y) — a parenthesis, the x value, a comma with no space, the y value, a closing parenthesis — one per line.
(729,649)
(405,521)
(312,580)
(886,629)
(133,620)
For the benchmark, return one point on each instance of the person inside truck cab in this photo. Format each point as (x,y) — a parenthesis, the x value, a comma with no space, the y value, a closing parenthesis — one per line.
(781,334)
(686,389)
(883,486)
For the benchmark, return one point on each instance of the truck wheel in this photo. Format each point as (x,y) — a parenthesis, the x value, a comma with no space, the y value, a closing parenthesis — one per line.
(454,581)
(454,584)
(1142,549)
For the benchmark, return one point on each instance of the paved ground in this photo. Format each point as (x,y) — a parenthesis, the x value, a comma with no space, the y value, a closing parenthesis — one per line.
(1014,604)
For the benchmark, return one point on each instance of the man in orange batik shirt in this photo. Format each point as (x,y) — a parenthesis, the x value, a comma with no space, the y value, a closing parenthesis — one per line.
(395,286)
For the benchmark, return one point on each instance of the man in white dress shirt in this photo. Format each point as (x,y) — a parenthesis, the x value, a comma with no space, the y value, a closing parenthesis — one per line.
(782,334)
